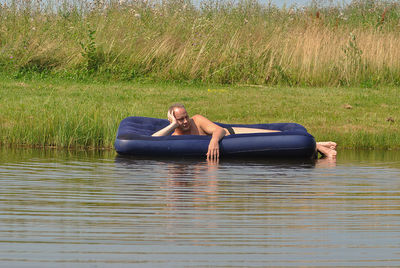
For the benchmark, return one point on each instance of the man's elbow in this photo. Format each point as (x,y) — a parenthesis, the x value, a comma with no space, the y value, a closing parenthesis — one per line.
(221,132)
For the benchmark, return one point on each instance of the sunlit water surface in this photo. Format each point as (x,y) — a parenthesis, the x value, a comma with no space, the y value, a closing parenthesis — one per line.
(93,209)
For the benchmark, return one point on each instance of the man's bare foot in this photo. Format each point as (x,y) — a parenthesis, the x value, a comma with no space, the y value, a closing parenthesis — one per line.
(331,154)
(328,144)
(326,152)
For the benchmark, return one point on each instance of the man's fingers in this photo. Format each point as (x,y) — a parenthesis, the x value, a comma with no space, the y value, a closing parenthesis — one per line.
(170,116)
(213,154)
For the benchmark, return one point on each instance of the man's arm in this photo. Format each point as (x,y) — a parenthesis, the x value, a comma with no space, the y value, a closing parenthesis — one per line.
(168,129)
(165,131)
(216,132)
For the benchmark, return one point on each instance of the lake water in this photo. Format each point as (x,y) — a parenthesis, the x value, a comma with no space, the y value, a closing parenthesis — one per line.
(93,209)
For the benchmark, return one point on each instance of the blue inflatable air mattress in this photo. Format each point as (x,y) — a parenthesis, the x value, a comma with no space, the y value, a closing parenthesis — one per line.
(134,138)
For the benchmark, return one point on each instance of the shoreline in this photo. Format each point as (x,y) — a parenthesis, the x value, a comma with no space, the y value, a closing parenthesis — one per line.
(66,114)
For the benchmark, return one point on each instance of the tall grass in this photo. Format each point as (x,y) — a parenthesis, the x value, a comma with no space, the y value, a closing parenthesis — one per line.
(215,41)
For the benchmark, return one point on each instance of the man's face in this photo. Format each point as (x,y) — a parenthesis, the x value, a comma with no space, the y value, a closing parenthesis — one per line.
(182,118)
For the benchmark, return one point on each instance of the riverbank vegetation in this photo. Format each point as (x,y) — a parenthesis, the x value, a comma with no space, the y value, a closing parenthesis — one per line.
(219,41)
(62,113)
(71,70)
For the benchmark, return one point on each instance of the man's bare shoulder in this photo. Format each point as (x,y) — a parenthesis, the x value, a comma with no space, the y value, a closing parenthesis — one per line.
(200,120)
(199,117)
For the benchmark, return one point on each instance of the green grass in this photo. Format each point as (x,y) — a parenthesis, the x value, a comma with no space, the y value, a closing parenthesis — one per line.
(213,42)
(63,113)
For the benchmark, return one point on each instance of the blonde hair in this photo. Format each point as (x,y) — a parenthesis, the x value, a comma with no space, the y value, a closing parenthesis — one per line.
(175,105)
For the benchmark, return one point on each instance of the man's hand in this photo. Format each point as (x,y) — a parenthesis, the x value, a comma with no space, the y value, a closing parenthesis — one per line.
(213,150)
(171,118)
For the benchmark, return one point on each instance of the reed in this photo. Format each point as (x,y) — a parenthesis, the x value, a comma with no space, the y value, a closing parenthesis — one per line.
(65,114)
(244,42)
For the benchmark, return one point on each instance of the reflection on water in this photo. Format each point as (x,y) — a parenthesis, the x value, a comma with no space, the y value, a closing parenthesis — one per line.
(60,208)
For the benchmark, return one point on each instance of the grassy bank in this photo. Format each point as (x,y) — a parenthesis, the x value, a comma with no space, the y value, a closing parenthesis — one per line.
(69,114)
(213,42)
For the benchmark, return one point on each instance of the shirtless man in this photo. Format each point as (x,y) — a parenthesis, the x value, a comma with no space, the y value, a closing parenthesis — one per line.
(181,124)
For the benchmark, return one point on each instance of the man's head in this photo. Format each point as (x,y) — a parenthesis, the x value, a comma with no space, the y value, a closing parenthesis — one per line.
(182,118)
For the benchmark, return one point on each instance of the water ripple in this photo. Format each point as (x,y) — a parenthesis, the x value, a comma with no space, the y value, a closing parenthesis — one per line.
(96,209)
